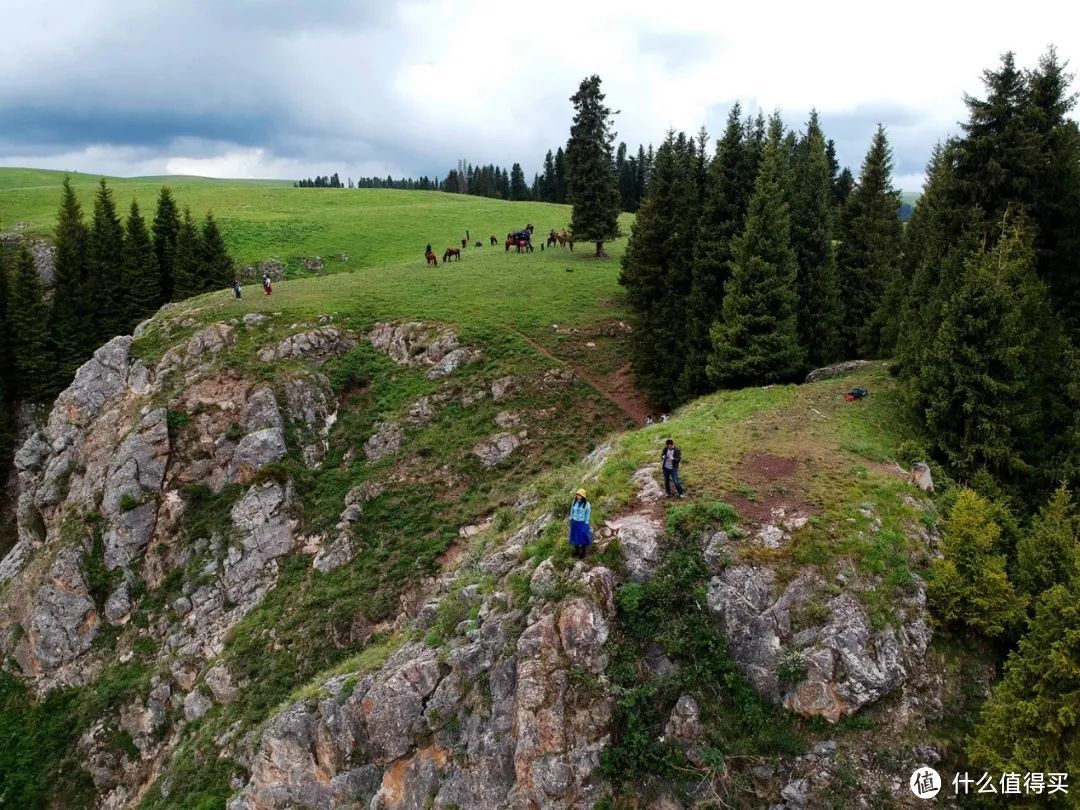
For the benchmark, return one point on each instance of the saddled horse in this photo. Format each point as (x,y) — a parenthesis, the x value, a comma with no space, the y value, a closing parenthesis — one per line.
(432,259)
(454,253)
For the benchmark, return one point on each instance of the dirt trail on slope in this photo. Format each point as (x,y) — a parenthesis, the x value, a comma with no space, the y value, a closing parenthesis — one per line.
(618,387)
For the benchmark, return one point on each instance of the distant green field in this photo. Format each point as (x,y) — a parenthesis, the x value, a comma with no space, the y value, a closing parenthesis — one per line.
(262,219)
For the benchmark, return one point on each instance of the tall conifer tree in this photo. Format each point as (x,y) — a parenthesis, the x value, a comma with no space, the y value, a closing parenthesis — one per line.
(591,186)
(869,250)
(104,266)
(217,265)
(27,315)
(818,285)
(70,326)
(166,229)
(656,270)
(757,340)
(187,259)
(141,278)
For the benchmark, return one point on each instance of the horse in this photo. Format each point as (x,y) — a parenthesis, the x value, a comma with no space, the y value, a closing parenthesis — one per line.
(452,252)
(432,259)
(494,240)
(509,243)
(464,242)
(552,239)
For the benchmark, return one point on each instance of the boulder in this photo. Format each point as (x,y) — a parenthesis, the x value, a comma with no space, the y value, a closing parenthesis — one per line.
(262,410)
(835,370)
(495,449)
(639,540)
(502,388)
(420,412)
(211,340)
(255,451)
(63,620)
(315,346)
(832,667)
(386,441)
(450,363)
(414,343)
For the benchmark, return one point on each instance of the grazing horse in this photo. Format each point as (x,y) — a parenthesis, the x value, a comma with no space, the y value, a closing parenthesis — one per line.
(432,259)
(494,240)
(454,253)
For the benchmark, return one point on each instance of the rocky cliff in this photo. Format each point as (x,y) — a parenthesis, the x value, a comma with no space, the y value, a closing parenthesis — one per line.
(321,565)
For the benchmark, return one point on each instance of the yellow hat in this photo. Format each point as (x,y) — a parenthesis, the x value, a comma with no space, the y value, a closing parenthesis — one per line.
(580,492)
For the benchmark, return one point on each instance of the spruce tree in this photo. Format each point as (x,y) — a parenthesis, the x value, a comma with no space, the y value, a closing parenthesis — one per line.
(1048,553)
(980,381)
(70,326)
(187,259)
(728,188)
(1030,718)
(591,186)
(141,280)
(217,269)
(166,227)
(548,180)
(818,284)
(560,176)
(1056,187)
(656,270)
(27,314)
(518,189)
(104,267)
(870,250)
(757,340)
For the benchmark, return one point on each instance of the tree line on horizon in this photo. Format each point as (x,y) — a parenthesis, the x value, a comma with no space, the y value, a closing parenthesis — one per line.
(489,180)
(108,274)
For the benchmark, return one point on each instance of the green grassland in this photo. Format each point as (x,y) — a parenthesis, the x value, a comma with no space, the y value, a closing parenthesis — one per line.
(262,219)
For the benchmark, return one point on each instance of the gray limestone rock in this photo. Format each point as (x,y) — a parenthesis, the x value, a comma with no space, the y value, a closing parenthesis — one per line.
(316,346)
(386,441)
(450,363)
(495,449)
(255,451)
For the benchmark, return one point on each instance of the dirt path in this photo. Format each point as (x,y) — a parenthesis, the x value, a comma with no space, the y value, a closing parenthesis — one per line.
(617,387)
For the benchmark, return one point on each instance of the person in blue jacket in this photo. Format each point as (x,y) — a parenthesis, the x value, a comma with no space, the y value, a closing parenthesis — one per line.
(580,532)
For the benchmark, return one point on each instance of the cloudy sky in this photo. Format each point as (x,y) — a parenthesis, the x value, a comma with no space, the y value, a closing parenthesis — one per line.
(290,88)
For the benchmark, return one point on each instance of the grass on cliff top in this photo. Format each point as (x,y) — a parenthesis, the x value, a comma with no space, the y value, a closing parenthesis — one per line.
(263,219)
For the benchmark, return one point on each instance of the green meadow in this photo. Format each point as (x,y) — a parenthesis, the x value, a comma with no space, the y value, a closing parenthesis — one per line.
(264,219)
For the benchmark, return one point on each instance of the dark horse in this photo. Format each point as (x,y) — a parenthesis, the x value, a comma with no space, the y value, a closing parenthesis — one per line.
(452,252)
(464,242)
(432,259)
(494,240)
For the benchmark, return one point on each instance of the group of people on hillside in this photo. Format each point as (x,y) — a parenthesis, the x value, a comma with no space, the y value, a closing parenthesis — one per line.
(238,291)
(581,509)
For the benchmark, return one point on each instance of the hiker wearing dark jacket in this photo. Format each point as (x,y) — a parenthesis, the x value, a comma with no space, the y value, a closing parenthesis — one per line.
(670,458)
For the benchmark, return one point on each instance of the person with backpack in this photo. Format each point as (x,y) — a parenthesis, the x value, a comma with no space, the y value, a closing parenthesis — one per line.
(580,531)
(670,459)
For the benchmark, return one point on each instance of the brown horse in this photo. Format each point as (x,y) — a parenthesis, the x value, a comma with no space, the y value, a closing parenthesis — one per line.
(464,242)
(432,259)
(454,253)
(494,240)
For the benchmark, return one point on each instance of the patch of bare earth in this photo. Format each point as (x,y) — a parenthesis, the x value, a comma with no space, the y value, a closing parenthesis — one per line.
(779,493)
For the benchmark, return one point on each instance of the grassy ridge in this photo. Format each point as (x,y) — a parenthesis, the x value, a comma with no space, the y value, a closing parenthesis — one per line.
(269,218)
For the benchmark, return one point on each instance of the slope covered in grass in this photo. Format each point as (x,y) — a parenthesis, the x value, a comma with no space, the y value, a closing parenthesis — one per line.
(261,219)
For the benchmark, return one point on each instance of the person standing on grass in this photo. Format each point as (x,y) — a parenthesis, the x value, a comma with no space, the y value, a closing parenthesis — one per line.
(236,289)
(267,289)
(580,532)
(670,458)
